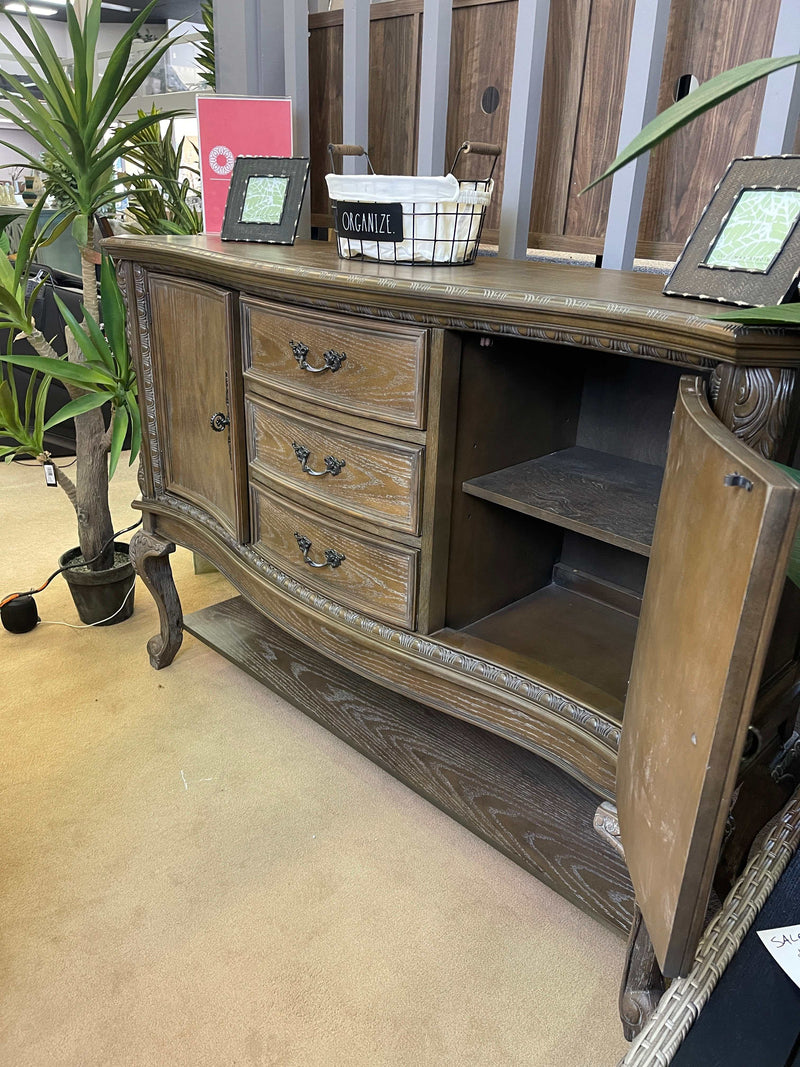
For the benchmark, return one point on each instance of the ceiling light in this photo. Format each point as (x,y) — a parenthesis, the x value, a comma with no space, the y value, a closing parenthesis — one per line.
(34,9)
(117,7)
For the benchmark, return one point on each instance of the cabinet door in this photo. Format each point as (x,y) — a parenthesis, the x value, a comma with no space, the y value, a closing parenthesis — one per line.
(726,520)
(198,388)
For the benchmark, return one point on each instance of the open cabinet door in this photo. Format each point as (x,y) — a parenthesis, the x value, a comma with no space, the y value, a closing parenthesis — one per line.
(726,520)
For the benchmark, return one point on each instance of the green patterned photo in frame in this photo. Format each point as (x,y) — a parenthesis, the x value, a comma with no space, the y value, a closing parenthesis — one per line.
(759,224)
(264,199)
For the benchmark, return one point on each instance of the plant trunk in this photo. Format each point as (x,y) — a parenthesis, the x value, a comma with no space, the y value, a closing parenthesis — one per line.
(89,276)
(95,527)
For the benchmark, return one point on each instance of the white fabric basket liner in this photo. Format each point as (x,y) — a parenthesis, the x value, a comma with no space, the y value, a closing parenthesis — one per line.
(440,232)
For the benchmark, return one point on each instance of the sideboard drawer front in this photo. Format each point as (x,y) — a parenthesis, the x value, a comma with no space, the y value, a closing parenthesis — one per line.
(382,375)
(362,475)
(374,576)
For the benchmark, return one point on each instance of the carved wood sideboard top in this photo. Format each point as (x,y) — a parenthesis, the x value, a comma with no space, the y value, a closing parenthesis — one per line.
(545,301)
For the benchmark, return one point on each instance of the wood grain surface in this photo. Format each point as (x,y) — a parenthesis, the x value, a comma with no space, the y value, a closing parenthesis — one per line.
(718,563)
(376,576)
(199,464)
(704,37)
(473,69)
(522,805)
(382,377)
(575,641)
(380,481)
(594,493)
(596,310)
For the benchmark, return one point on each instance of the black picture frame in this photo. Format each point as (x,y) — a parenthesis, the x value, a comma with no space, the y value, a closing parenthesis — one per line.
(264,199)
(722,260)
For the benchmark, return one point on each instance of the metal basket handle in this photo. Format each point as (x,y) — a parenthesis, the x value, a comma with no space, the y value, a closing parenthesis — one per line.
(339,150)
(478,148)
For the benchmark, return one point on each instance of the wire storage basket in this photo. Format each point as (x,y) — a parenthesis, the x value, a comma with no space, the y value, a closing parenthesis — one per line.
(405,219)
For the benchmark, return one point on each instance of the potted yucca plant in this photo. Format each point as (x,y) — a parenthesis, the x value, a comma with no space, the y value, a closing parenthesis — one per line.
(74,118)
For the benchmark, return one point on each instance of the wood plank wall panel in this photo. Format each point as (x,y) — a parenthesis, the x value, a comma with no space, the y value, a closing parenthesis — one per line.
(583,90)
(704,38)
(567,38)
(325,105)
(481,55)
(394,58)
(393,105)
(599,117)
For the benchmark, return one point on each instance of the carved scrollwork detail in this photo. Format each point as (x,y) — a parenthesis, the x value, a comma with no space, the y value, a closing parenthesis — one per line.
(606,824)
(146,385)
(714,385)
(754,403)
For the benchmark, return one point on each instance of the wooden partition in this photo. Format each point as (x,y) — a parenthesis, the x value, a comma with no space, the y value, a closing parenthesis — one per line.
(584,82)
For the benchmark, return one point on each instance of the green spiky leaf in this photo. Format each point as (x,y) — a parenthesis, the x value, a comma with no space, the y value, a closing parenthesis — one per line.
(75,407)
(777,315)
(119,427)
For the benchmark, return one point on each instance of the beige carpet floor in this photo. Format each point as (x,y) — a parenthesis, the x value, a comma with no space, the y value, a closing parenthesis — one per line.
(194,873)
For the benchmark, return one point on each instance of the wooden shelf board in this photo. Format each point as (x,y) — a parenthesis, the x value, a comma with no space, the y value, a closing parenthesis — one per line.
(567,641)
(595,493)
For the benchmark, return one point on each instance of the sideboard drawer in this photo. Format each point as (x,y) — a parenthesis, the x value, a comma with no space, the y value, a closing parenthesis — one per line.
(362,572)
(362,475)
(371,369)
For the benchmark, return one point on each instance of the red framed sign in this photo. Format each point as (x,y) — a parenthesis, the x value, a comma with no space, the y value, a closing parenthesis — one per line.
(232,126)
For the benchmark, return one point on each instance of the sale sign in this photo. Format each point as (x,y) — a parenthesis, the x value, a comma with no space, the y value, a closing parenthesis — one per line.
(231,126)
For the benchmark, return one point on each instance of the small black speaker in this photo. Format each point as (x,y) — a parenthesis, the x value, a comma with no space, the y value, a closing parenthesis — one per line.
(19,615)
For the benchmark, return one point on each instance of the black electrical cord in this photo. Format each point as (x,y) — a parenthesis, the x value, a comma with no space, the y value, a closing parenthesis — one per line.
(70,566)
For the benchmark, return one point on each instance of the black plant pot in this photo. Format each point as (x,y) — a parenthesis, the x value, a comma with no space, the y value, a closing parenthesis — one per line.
(100,595)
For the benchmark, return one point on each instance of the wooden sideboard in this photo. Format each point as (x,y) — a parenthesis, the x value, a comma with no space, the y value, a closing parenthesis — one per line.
(471,537)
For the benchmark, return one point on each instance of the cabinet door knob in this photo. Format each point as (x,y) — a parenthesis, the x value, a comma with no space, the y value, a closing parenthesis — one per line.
(333,360)
(333,466)
(333,558)
(219,420)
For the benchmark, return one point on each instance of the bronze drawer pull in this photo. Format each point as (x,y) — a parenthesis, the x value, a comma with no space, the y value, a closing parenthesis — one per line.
(219,420)
(333,466)
(332,557)
(333,360)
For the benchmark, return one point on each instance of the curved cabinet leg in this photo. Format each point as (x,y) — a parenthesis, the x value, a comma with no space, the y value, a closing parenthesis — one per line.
(642,981)
(150,558)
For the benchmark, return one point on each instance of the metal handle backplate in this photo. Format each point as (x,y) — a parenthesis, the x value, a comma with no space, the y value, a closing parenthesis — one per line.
(333,360)
(332,557)
(219,420)
(333,466)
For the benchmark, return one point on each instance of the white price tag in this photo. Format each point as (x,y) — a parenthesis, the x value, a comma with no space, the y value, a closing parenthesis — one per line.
(49,474)
(783,944)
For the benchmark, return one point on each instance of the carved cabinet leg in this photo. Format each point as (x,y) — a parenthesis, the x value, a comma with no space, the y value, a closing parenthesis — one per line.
(150,558)
(642,981)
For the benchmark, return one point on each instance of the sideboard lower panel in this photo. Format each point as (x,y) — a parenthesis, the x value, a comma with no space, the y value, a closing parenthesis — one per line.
(521,804)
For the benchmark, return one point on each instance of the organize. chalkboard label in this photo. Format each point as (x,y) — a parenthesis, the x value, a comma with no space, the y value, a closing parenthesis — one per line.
(369,222)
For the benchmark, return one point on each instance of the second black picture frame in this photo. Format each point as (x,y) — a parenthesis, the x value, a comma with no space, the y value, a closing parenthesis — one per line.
(745,248)
(264,199)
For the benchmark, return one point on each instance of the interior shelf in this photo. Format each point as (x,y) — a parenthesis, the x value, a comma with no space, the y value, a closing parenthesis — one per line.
(578,645)
(594,493)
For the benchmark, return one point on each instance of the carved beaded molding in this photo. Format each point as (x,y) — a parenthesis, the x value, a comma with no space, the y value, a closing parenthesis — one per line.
(550,334)
(606,731)
(146,384)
